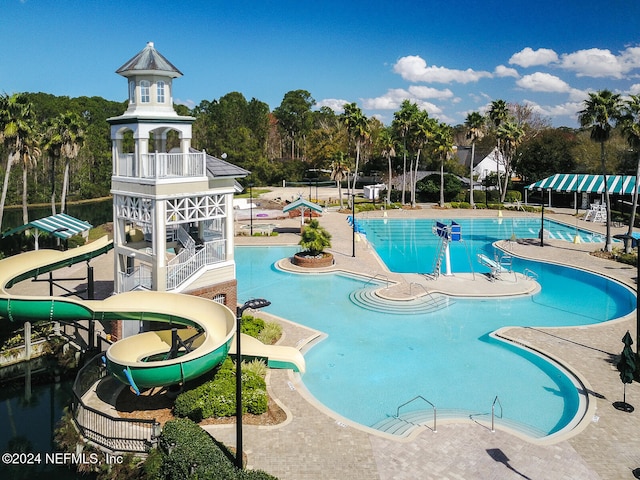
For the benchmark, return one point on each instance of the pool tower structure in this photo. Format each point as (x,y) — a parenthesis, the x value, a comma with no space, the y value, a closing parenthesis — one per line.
(172,205)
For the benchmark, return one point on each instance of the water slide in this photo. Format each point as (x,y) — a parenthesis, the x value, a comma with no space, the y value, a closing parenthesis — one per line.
(200,337)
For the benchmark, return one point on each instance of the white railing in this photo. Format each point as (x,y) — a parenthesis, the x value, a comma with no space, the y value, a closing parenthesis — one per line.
(139,277)
(162,165)
(210,253)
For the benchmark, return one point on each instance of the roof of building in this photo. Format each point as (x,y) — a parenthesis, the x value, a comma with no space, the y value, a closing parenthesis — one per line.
(216,167)
(301,203)
(60,225)
(149,60)
(583,183)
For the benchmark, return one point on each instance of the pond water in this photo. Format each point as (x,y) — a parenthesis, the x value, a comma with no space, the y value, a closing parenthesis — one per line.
(29,413)
(96,213)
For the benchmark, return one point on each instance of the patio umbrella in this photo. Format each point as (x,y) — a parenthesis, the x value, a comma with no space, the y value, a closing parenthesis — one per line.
(626,367)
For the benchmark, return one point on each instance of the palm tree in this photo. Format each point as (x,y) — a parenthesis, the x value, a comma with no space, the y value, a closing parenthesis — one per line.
(403,121)
(52,147)
(358,127)
(339,171)
(422,131)
(475,124)
(388,149)
(70,127)
(601,109)
(442,142)
(510,136)
(498,113)
(631,129)
(28,154)
(15,114)
(314,238)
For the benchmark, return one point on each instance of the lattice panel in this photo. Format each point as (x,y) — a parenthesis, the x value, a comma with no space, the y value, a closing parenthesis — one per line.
(180,210)
(136,209)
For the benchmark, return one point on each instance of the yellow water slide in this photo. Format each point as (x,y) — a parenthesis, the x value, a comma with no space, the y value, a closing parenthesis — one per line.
(200,337)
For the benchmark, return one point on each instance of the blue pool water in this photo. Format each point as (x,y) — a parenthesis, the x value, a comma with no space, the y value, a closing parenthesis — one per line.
(373,362)
(408,245)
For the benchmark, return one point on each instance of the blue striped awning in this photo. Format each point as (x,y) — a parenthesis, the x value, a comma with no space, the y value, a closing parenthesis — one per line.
(60,225)
(582,183)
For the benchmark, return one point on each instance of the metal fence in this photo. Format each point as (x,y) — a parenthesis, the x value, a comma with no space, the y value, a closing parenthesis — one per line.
(115,433)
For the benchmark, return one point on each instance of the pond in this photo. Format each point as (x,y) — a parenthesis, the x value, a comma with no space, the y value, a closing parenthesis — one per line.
(29,412)
(95,212)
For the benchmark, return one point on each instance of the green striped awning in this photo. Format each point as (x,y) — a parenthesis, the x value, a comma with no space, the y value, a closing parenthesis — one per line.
(60,225)
(582,183)
(302,204)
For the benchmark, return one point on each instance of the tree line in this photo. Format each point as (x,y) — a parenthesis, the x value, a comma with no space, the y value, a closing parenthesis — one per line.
(58,148)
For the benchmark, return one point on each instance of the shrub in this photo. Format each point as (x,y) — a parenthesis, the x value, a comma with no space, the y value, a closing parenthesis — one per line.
(271,333)
(460,205)
(217,397)
(194,453)
(256,366)
(512,196)
(251,325)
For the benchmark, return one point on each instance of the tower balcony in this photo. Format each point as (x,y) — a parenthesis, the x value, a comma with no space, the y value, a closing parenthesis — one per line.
(156,166)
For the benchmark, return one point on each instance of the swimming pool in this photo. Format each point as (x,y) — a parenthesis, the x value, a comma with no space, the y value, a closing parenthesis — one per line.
(408,245)
(372,362)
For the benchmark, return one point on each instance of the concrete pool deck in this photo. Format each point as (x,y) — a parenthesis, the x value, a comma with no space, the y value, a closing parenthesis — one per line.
(314,443)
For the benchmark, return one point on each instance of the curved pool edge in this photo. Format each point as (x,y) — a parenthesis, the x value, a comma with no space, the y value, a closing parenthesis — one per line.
(586,402)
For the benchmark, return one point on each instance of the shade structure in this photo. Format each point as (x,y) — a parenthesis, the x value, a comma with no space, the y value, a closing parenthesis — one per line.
(302,204)
(60,225)
(583,183)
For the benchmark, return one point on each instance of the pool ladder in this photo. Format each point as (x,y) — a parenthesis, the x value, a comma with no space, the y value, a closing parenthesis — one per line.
(376,276)
(419,397)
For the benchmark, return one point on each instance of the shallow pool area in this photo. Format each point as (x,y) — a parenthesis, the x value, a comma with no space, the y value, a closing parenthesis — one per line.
(373,362)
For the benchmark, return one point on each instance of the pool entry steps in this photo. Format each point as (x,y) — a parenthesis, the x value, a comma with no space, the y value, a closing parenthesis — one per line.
(369,298)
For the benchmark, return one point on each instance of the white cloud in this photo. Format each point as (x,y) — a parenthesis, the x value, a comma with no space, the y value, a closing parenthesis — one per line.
(597,62)
(394,98)
(502,71)
(420,91)
(567,109)
(528,57)
(543,82)
(414,69)
(635,89)
(335,104)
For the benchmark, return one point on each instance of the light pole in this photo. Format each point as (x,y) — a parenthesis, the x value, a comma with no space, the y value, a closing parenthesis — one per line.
(253,304)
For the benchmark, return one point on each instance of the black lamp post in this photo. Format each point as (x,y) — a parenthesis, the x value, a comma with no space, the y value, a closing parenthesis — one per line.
(634,243)
(253,304)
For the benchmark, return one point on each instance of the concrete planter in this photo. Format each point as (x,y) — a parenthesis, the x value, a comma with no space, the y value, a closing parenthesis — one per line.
(301,259)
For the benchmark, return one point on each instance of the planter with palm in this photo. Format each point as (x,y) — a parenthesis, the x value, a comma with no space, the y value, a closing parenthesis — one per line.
(314,239)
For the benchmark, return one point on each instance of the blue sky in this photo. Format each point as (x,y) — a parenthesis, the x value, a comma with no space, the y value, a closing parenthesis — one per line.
(451,57)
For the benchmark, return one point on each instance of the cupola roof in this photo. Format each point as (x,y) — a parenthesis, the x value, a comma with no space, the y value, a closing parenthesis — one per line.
(149,61)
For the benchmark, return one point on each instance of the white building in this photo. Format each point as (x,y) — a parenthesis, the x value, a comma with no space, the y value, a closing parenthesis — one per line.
(172,209)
